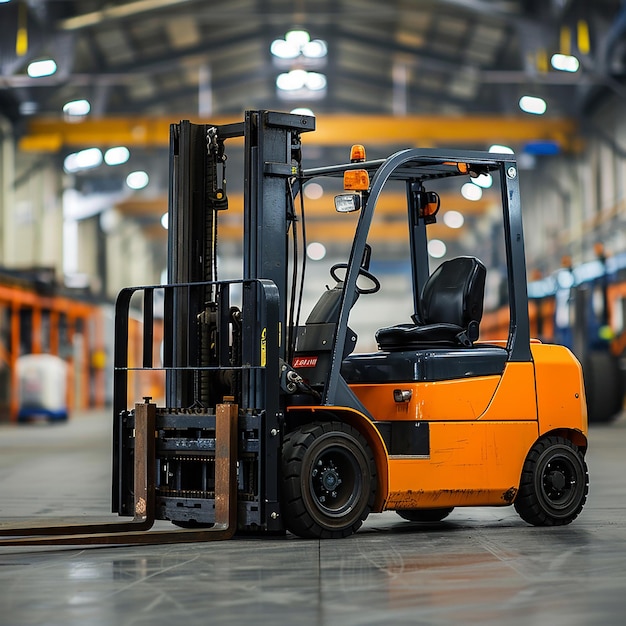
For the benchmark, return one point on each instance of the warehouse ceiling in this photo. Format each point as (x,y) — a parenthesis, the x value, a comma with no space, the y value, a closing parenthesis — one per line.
(397,57)
(417,72)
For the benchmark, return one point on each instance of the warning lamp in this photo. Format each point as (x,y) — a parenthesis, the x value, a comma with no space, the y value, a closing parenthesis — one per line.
(356,180)
(427,204)
(462,168)
(357,153)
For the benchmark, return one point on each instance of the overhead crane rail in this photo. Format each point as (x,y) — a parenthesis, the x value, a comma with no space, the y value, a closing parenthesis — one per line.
(51,135)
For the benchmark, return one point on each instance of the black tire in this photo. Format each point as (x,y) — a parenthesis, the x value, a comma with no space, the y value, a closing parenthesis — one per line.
(554,484)
(328,480)
(425,515)
(603,387)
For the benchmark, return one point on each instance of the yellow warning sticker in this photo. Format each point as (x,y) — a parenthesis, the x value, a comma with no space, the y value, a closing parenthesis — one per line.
(264,347)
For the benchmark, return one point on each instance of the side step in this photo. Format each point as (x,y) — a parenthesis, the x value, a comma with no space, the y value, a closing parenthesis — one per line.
(137,531)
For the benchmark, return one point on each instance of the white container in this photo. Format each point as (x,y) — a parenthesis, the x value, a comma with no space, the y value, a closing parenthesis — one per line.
(42,387)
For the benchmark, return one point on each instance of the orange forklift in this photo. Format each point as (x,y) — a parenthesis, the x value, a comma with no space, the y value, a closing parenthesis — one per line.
(271,424)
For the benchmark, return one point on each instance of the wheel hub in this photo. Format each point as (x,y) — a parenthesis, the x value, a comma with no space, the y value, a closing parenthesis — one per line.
(557,481)
(328,479)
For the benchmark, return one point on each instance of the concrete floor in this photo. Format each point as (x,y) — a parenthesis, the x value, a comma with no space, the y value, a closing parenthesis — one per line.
(479,566)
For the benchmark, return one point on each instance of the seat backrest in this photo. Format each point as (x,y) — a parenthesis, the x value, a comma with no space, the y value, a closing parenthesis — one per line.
(454,293)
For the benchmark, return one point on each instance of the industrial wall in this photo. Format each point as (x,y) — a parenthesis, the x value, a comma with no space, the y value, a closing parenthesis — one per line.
(573,201)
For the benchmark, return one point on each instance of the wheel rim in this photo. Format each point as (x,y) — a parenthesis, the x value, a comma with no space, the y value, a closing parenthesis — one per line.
(335,481)
(560,483)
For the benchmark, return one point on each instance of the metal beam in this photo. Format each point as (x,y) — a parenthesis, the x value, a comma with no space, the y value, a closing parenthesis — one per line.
(120,12)
(323,223)
(391,206)
(52,135)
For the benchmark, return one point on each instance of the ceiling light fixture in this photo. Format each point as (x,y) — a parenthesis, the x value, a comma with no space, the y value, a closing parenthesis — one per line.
(302,111)
(472,192)
(298,43)
(77,108)
(483,180)
(316,251)
(500,149)
(533,105)
(564,62)
(453,219)
(117,155)
(45,67)
(137,180)
(436,248)
(83,160)
(301,79)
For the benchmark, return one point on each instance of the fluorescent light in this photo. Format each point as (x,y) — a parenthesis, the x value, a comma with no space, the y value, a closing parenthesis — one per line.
(117,155)
(290,81)
(28,107)
(564,62)
(298,38)
(472,192)
(313,191)
(316,251)
(483,180)
(83,160)
(77,107)
(296,43)
(137,180)
(45,67)
(316,49)
(453,219)
(436,248)
(302,111)
(315,81)
(300,79)
(501,149)
(532,104)
(284,50)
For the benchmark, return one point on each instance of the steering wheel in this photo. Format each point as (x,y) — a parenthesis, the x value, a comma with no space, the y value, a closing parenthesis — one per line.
(362,272)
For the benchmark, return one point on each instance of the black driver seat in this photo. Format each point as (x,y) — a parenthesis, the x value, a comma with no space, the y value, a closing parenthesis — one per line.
(450,309)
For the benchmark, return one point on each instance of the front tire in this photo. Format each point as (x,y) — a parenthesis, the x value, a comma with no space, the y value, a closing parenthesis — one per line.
(554,484)
(328,480)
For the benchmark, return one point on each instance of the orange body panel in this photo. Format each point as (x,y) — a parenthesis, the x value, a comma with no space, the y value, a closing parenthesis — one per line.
(561,399)
(470,464)
(507,397)
(462,399)
(480,430)
(515,396)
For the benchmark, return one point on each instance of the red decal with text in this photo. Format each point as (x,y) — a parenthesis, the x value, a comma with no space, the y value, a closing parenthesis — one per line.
(305,361)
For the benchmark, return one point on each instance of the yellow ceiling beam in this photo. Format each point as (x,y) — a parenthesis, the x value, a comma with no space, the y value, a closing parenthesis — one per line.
(53,134)
(393,232)
(391,206)
(322,222)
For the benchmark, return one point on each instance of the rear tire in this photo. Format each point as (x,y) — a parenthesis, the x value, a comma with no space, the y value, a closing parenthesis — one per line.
(554,484)
(603,387)
(424,515)
(328,480)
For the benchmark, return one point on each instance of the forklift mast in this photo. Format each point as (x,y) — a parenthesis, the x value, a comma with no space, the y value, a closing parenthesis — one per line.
(222,339)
